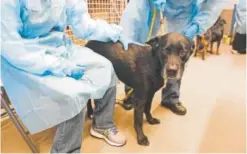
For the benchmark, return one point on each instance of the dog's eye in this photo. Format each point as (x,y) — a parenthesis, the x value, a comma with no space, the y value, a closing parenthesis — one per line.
(167,48)
(182,53)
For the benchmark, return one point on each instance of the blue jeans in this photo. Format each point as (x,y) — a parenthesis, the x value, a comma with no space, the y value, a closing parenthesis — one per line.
(170,94)
(68,138)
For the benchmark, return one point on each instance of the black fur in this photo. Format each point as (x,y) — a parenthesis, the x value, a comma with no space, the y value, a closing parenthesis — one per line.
(217,34)
(142,67)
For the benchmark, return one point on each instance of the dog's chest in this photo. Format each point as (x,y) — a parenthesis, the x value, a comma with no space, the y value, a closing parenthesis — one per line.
(156,81)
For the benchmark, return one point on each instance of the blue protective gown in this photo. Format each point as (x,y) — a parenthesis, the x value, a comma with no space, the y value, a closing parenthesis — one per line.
(32,44)
(180,16)
(241,17)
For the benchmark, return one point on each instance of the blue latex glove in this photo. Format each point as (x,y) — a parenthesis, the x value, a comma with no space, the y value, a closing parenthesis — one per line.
(66,68)
(165,7)
(75,72)
(191,31)
(86,28)
(125,42)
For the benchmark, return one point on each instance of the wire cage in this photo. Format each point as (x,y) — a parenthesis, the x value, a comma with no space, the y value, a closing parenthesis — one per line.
(109,10)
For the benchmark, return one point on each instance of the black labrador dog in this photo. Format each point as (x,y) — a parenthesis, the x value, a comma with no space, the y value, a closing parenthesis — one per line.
(145,68)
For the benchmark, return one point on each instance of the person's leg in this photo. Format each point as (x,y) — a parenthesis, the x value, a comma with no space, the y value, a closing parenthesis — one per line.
(103,125)
(170,97)
(239,44)
(68,138)
(104,110)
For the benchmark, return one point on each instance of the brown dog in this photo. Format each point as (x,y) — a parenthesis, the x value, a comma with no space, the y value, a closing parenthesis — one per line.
(202,43)
(144,68)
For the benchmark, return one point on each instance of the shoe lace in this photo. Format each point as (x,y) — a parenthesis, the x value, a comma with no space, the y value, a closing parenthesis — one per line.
(113,130)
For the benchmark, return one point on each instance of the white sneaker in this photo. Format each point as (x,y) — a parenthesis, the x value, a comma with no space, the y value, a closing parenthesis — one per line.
(112,136)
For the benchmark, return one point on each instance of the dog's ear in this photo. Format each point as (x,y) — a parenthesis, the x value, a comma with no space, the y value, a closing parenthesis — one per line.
(154,42)
(224,21)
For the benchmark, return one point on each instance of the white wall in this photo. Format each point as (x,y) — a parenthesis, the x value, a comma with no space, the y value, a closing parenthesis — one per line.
(231,3)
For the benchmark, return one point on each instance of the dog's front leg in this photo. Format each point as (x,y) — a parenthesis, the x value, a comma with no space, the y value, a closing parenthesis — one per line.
(151,120)
(138,120)
(218,47)
(211,47)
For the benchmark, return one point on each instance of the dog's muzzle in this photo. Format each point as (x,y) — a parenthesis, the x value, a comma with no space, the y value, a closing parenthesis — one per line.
(201,46)
(172,71)
(171,74)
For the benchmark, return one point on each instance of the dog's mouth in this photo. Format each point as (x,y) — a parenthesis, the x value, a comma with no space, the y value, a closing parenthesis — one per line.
(171,73)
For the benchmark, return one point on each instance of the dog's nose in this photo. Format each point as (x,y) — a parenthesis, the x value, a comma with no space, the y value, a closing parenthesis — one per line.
(201,46)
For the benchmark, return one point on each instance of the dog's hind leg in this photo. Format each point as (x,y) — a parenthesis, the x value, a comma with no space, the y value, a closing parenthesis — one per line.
(151,120)
(140,100)
(89,109)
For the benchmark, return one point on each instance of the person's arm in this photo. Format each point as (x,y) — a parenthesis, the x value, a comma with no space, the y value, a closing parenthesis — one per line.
(240,16)
(22,55)
(131,19)
(159,4)
(206,15)
(84,27)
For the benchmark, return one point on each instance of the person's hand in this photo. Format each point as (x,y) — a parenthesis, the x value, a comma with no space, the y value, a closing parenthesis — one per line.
(191,31)
(164,7)
(75,72)
(66,68)
(116,34)
(113,32)
(125,42)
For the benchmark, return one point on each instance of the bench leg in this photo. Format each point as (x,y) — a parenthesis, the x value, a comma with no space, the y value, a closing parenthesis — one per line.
(19,126)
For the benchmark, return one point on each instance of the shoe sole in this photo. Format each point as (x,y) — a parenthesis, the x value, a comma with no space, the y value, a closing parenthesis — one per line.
(234,52)
(177,113)
(100,136)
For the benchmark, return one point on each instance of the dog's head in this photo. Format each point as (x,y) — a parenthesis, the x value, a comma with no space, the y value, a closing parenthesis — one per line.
(223,22)
(172,51)
(220,22)
(204,40)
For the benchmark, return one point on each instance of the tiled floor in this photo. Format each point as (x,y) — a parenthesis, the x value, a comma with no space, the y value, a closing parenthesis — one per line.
(213,92)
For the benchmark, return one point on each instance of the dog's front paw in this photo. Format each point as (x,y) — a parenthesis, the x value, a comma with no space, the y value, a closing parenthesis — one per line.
(143,141)
(153,121)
